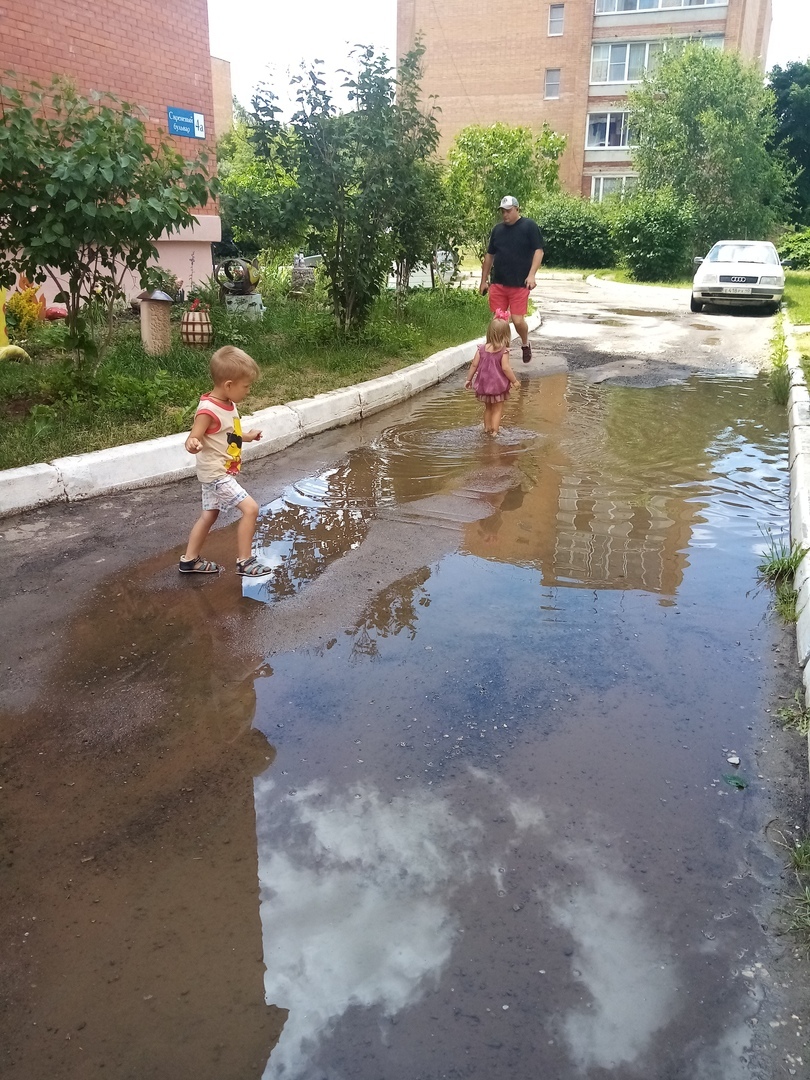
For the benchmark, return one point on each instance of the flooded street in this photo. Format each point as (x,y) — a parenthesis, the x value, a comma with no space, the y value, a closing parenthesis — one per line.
(448,795)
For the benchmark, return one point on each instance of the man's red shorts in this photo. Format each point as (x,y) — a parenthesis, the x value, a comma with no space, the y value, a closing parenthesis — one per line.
(507,298)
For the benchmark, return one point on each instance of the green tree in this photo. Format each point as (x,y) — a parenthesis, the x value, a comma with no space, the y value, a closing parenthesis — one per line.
(256,191)
(486,163)
(791,88)
(419,215)
(83,194)
(363,175)
(703,120)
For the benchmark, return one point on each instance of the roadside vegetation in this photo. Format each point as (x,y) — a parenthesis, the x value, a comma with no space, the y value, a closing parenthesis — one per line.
(780,561)
(363,188)
(49,409)
(779,374)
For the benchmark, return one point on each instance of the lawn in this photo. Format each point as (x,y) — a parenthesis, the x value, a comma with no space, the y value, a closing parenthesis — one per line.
(47,410)
(624,276)
(797,296)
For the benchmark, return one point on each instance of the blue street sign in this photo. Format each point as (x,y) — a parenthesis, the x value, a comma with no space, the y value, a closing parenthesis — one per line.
(185,122)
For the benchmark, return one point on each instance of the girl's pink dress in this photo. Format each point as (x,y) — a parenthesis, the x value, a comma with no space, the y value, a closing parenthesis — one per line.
(491,384)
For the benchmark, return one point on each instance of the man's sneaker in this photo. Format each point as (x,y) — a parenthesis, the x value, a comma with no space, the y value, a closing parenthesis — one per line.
(527,353)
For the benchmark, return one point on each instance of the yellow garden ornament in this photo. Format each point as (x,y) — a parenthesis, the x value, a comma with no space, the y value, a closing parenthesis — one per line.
(3,335)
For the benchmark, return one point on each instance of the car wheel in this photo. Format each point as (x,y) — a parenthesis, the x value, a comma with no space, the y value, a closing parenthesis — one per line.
(695,305)
(773,308)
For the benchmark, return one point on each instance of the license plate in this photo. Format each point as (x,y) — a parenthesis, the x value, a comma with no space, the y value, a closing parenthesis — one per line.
(738,291)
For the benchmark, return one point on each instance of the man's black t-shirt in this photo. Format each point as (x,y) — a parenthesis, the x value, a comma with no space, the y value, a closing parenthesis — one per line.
(513,248)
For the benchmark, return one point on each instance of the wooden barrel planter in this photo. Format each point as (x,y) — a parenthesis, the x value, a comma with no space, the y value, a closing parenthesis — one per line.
(196,329)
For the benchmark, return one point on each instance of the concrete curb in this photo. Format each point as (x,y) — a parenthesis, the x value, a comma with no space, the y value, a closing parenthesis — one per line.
(799,462)
(159,461)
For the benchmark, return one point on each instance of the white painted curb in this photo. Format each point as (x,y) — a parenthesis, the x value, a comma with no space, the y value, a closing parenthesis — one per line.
(799,460)
(159,461)
(32,485)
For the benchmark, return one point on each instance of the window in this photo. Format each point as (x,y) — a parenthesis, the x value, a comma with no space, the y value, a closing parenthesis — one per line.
(623,62)
(552,83)
(608,131)
(603,186)
(609,7)
(556,17)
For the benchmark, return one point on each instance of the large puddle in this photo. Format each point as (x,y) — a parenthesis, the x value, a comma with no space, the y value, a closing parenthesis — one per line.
(496,839)
(492,829)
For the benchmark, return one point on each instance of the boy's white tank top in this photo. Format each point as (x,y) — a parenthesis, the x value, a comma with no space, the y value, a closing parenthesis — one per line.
(221,454)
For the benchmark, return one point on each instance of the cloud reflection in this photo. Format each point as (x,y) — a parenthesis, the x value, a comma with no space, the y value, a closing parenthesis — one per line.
(626,971)
(356,910)
(364,897)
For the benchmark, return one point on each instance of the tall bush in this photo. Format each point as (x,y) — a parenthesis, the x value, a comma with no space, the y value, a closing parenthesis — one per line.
(702,121)
(796,247)
(653,231)
(576,231)
(83,195)
(363,177)
(486,163)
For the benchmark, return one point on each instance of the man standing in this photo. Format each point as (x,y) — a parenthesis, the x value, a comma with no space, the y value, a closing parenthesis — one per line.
(514,255)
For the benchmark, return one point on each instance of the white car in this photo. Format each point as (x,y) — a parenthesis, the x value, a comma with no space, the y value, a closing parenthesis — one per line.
(739,272)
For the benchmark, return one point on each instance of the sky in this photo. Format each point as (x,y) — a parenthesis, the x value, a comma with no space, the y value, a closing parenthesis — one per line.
(264,39)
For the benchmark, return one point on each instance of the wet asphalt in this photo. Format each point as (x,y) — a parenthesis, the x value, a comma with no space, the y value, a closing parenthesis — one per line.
(447,795)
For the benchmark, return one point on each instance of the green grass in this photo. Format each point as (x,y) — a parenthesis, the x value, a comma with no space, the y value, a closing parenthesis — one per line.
(618,274)
(47,412)
(780,560)
(779,375)
(784,602)
(797,296)
(795,717)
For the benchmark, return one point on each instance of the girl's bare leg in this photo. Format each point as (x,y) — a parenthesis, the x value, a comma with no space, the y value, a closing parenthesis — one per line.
(487,418)
(497,413)
(199,532)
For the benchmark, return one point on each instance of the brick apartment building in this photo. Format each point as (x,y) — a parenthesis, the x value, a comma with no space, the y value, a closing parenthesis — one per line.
(153,54)
(570,64)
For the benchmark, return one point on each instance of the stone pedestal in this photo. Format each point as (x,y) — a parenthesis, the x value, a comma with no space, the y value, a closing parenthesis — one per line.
(156,329)
(250,305)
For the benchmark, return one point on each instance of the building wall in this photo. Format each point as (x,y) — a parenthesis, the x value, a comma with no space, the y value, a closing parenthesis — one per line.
(487,62)
(151,53)
(223,96)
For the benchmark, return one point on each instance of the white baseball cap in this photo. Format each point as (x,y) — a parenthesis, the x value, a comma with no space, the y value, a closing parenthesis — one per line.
(507,202)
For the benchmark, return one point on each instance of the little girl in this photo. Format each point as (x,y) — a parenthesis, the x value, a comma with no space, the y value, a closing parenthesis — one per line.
(491,373)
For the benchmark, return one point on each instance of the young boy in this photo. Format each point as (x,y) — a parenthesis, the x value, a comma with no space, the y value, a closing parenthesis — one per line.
(216,438)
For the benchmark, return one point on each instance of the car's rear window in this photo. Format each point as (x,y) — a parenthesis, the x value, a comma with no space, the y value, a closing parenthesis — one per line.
(750,253)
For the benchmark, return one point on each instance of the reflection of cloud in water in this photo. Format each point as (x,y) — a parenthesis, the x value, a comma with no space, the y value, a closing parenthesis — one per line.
(356,911)
(364,897)
(625,970)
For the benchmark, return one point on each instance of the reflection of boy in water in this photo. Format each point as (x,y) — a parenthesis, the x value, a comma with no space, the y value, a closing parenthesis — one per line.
(216,439)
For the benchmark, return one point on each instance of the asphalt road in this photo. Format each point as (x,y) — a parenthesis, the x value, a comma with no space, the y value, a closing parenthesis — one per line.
(170,746)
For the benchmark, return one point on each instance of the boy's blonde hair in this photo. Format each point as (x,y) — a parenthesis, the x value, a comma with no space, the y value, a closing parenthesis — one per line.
(232,363)
(498,333)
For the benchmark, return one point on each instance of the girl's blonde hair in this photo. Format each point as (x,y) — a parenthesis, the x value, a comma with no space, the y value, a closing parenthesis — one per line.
(498,332)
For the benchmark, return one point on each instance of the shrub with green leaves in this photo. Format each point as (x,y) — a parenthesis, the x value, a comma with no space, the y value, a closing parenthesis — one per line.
(576,231)
(796,247)
(653,231)
(83,194)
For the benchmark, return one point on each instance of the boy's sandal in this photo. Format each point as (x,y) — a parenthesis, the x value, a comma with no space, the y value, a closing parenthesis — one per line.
(199,566)
(252,567)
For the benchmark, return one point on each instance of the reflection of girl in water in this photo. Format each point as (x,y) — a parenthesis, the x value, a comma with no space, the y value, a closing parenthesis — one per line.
(491,373)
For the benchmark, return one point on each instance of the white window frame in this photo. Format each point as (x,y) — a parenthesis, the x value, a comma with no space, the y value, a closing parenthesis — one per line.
(613,48)
(551,84)
(598,185)
(609,114)
(556,17)
(630,7)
